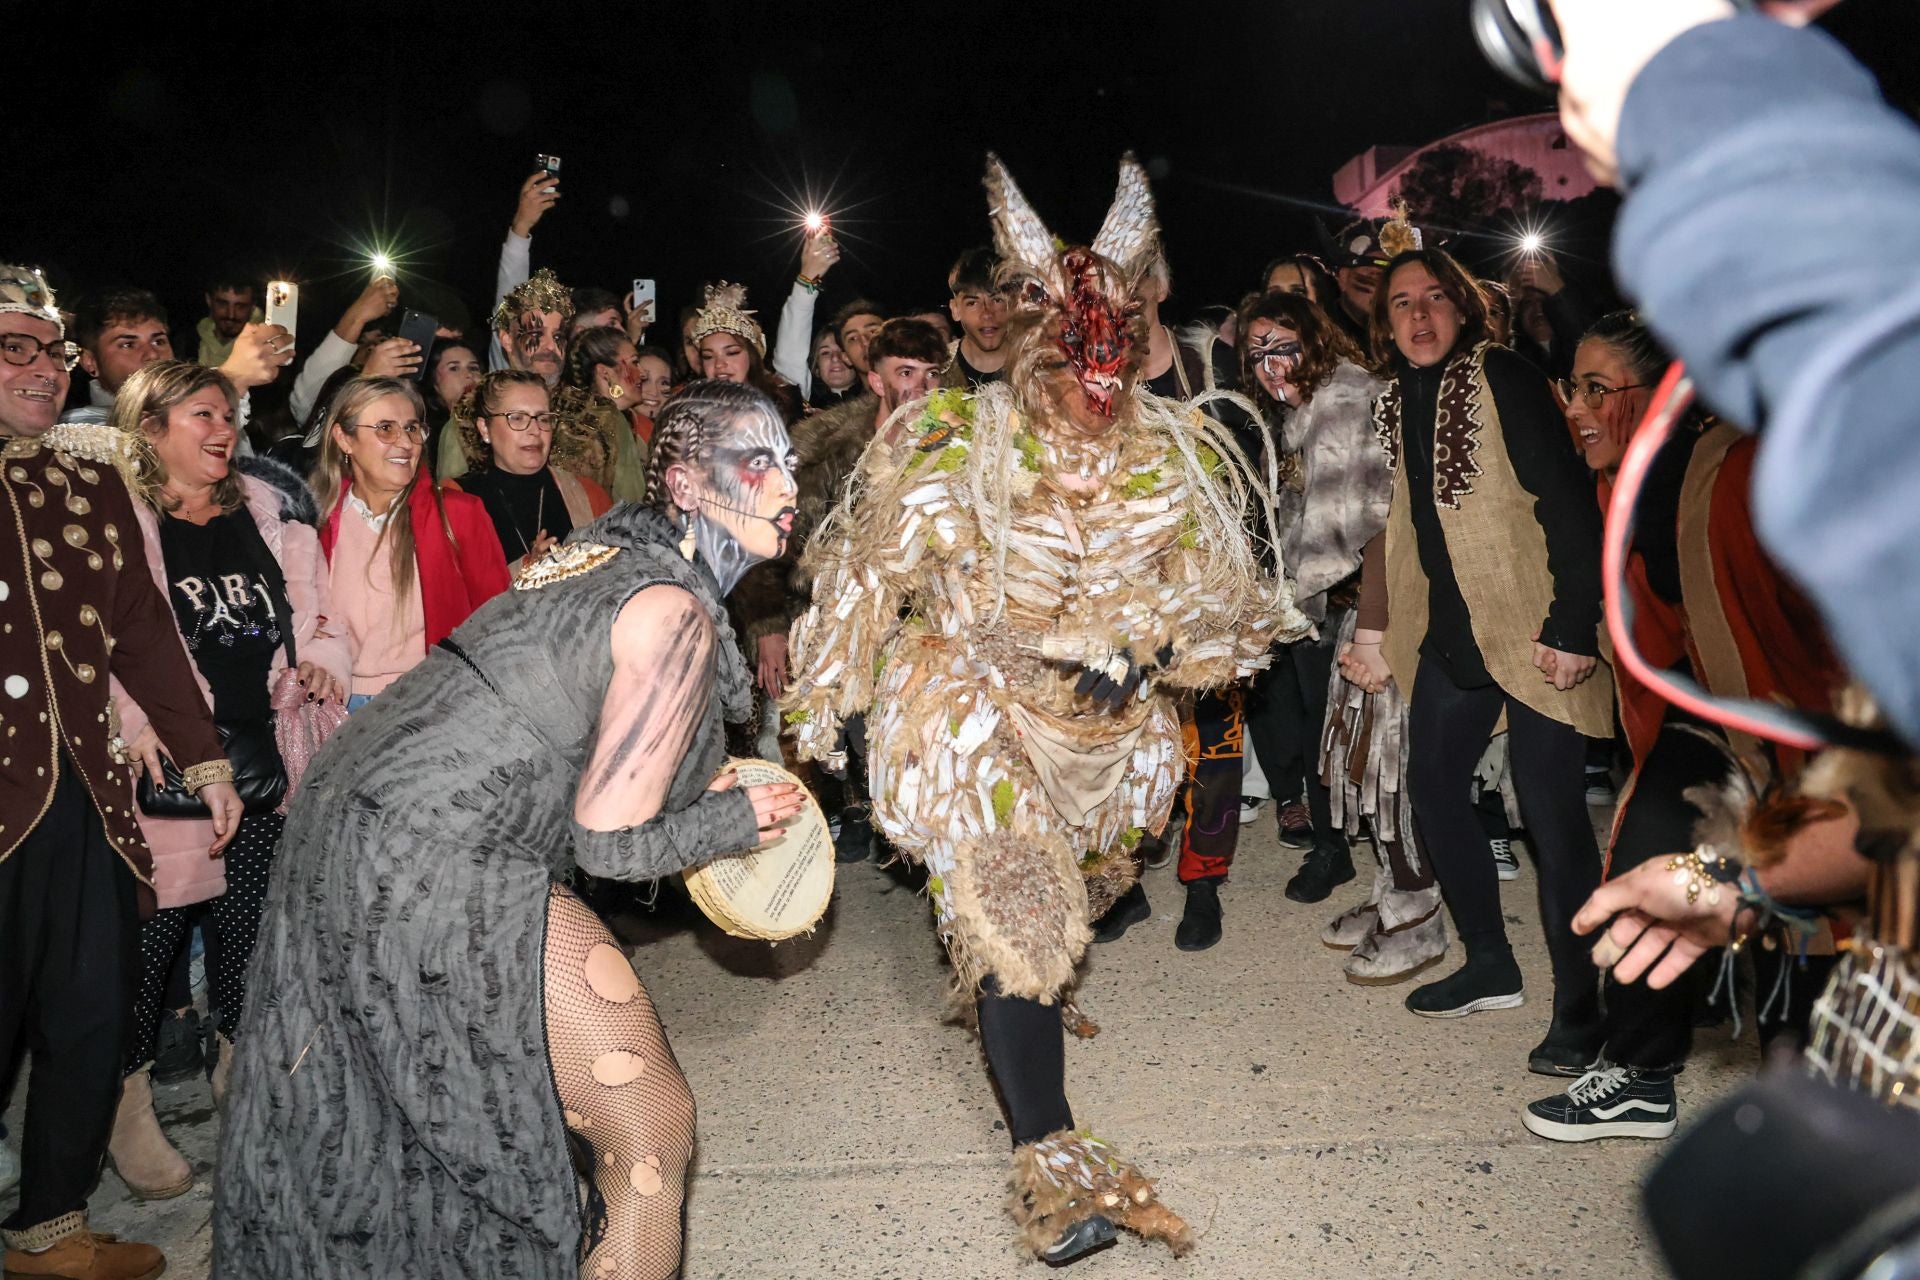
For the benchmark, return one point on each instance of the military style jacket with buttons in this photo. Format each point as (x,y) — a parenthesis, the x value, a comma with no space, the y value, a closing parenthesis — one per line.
(77,601)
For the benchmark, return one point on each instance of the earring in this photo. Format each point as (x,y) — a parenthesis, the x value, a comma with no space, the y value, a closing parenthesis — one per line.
(687,541)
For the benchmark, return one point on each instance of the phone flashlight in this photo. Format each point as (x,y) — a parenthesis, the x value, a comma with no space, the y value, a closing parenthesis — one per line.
(816,222)
(1532,243)
(382,266)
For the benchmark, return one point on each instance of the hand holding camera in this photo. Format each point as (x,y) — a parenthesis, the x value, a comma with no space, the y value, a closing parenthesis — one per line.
(539,193)
(259,354)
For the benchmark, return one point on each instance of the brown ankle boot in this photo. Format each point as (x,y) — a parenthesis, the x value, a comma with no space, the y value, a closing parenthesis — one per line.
(222,1070)
(78,1254)
(141,1154)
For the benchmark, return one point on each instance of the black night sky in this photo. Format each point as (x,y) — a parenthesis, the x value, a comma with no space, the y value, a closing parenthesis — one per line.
(284,138)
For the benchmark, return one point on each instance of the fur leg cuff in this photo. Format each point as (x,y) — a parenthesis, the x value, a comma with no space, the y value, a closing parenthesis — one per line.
(1067,1177)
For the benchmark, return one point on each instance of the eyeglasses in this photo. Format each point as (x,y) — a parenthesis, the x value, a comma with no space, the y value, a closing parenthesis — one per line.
(388,432)
(1594,393)
(521,421)
(23,349)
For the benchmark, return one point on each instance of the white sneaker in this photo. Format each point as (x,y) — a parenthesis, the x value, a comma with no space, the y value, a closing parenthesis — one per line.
(1250,808)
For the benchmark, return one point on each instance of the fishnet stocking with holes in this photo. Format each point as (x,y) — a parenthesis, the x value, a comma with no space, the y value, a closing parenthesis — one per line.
(626,1103)
(1866,1025)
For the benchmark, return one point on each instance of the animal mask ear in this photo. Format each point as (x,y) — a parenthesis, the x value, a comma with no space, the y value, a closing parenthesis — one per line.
(1130,236)
(1019,237)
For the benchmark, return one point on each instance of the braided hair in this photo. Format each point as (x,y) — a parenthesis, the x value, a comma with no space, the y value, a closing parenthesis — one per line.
(591,349)
(690,422)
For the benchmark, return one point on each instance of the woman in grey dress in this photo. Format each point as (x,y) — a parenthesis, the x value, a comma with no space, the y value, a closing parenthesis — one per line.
(444,1035)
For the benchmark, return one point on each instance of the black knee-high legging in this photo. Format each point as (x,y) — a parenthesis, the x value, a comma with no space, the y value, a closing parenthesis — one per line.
(1026,1051)
(232,922)
(1448,731)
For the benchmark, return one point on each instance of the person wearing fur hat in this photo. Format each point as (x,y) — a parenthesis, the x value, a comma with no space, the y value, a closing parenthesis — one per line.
(81,610)
(237,555)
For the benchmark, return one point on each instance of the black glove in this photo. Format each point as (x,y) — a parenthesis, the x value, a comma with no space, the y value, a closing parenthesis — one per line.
(1103,688)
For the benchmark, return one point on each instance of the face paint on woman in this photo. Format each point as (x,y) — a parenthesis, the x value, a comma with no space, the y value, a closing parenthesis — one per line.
(745,497)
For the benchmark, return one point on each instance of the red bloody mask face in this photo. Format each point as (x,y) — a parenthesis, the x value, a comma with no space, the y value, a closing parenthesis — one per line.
(1096,335)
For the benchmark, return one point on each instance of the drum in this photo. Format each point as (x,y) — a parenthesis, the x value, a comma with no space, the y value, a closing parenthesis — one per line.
(778,890)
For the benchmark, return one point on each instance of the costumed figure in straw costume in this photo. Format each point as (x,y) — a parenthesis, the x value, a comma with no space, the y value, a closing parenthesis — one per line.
(1071,556)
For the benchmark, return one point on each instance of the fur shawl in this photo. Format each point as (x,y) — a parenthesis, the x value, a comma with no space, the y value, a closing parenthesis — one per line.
(1347,486)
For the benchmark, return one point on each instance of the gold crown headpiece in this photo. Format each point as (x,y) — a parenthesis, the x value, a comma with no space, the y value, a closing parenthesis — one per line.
(726,312)
(25,291)
(542,291)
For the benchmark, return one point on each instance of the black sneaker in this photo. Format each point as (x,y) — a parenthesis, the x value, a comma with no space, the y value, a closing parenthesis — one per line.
(1506,863)
(1481,984)
(1317,876)
(1199,926)
(178,1053)
(1554,1057)
(1599,786)
(1130,910)
(854,841)
(1080,1239)
(1614,1102)
(1296,825)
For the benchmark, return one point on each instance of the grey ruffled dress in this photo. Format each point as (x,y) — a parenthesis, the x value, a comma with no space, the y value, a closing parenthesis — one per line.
(392,1112)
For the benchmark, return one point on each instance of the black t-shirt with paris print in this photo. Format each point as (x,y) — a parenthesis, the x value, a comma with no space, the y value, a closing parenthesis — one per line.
(226,611)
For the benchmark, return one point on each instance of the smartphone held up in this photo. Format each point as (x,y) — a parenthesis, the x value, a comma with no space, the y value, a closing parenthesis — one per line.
(283,304)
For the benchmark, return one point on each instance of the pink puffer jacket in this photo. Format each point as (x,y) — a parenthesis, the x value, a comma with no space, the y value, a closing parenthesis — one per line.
(183,874)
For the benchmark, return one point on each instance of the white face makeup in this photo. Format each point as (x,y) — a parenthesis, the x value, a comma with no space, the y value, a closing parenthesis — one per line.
(743,498)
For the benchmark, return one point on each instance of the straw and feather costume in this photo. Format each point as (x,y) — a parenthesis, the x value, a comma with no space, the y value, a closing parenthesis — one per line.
(1022,550)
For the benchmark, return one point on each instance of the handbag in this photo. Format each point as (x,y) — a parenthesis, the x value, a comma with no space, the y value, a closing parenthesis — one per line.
(268,753)
(258,774)
(300,727)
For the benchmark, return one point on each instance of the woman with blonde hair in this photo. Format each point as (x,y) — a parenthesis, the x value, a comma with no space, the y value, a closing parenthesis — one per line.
(409,561)
(237,558)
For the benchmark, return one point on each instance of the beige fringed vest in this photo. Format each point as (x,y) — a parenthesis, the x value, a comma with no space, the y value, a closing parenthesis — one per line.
(1498,549)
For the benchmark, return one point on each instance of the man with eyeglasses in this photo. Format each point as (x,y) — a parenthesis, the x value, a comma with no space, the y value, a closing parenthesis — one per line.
(77,606)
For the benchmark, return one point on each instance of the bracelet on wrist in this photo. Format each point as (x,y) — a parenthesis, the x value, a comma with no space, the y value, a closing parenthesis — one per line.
(807,282)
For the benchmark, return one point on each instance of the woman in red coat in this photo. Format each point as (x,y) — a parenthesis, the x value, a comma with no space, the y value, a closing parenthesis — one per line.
(408,560)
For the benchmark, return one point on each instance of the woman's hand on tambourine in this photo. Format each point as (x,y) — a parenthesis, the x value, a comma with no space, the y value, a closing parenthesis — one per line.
(773,802)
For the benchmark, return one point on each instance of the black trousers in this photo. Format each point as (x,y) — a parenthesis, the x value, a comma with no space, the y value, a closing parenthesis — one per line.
(69,916)
(1648,1029)
(1448,730)
(1285,718)
(1026,1050)
(230,921)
